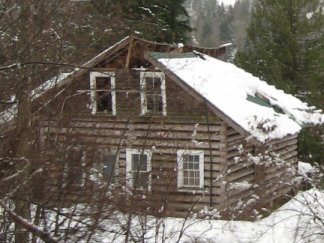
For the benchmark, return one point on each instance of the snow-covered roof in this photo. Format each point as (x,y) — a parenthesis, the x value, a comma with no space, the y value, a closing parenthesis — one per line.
(260,109)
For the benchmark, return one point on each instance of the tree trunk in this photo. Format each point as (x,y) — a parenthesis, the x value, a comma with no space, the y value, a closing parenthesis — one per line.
(22,151)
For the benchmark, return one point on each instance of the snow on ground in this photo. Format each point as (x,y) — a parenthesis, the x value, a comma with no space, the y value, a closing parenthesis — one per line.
(299,220)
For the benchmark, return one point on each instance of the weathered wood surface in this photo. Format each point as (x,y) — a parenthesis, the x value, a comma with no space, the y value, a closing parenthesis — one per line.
(191,123)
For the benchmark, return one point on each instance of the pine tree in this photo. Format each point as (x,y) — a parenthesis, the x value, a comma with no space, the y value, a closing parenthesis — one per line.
(163,21)
(285,44)
(286,48)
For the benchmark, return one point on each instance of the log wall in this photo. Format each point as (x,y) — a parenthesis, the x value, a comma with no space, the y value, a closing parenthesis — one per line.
(164,139)
(253,184)
(229,175)
(188,125)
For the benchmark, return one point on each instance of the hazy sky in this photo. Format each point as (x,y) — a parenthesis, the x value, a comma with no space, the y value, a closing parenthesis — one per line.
(227,1)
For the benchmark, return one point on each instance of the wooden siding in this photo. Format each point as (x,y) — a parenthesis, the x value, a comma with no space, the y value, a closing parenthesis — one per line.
(164,138)
(188,125)
(191,123)
(255,185)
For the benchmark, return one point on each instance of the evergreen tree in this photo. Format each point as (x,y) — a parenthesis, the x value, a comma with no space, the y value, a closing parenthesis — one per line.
(163,21)
(285,44)
(286,48)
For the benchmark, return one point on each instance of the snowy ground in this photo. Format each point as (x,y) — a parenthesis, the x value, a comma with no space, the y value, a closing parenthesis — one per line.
(299,220)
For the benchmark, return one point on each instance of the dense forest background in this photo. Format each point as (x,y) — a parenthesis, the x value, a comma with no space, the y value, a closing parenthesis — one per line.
(281,42)
(214,23)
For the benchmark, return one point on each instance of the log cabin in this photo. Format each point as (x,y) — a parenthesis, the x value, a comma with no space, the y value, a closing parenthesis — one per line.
(179,130)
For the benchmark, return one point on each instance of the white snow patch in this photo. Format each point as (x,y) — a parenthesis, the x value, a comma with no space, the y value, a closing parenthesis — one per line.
(293,222)
(227,87)
(305,169)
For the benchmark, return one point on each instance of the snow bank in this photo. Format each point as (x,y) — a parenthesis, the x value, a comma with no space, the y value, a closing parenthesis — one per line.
(299,220)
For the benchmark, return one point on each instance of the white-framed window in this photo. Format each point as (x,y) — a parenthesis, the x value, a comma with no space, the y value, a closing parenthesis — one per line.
(153,95)
(190,165)
(110,164)
(103,94)
(106,166)
(73,171)
(138,168)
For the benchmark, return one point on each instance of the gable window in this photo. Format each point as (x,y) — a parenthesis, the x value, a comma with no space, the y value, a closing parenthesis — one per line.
(138,168)
(153,97)
(190,169)
(103,95)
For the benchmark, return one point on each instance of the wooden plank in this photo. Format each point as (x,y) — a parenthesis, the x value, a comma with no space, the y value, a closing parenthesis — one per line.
(129,51)
(166,127)
(112,131)
(234,167)
(234,197)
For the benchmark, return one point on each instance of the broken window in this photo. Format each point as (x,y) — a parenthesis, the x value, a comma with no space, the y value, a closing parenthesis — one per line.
(103,95)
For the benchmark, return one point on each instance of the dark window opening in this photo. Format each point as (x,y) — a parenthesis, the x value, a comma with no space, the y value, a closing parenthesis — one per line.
(140,172)
(103,94)
(73,174)
(109,165)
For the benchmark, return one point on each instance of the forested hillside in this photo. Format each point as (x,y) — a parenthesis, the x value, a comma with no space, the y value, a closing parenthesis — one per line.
(215,24)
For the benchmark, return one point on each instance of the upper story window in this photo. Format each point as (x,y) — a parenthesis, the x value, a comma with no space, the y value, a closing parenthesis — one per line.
(103,95)
(153,97)
(190,169)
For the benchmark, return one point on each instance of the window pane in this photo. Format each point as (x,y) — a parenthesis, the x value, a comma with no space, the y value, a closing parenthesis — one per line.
(190,166)
(196,165)
(150,103)
(158,103)
(103,95)
(143,165)
(139,162)
(72,167)
(149,85)
(109,160)
(157,85)
(185,165)
(154,103)
(185,174)
(135,162)
(153,85)
(141,180)
(191,170)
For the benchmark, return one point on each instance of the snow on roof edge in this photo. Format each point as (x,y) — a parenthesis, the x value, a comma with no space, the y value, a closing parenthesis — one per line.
(270,125)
